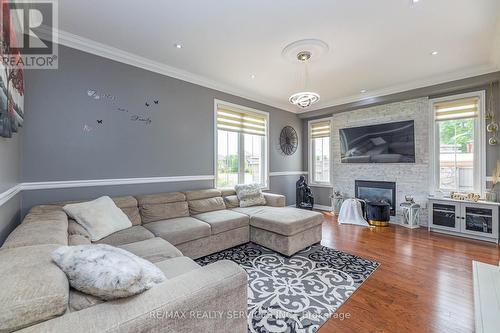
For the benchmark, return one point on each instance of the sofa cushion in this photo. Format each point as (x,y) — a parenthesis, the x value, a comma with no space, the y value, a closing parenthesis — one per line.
(177,266)
(179,230)
(75,229)
(74,240)
(250,211)
(130,235)
(232,201)
(206,205)
(202,194)
(225,192)
(162,206)
(34,288)
(223,220)
(154,249)
(40,229)
(285,221)
(165,211)
(79,301)
(160,198)
(127,204)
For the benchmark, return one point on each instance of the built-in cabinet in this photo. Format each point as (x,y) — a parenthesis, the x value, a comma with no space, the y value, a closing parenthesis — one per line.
(463,218)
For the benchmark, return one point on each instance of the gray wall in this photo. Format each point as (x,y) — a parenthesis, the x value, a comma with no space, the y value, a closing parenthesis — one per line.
(178,142)
(10,161)
(451,88)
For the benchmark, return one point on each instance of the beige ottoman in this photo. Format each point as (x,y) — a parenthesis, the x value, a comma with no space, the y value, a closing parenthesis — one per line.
(285,230)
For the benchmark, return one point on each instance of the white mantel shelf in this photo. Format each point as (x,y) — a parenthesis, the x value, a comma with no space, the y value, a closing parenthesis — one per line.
(464,201)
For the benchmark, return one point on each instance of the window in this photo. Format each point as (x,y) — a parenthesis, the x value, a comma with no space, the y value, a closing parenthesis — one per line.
(320,152)
(458,143)
(241,145)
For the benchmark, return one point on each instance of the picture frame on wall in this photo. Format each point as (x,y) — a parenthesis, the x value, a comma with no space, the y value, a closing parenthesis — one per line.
(11,77)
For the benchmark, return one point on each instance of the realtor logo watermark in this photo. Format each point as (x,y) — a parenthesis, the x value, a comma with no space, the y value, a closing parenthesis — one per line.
(29,34)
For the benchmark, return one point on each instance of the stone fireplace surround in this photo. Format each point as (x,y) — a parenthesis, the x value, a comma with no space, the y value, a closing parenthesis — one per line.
(412,179)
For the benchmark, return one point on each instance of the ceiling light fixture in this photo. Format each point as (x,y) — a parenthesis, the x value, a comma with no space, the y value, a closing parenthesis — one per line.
(363,91)
(434,53)
(252,76)
(179,46)
(304,99)
(414,1)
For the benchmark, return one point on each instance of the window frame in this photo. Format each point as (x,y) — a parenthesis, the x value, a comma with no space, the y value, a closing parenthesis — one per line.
(241,144)
(310,153)
(479,143)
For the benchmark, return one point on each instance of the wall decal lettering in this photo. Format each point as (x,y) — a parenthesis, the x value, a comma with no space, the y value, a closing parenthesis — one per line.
(139,118)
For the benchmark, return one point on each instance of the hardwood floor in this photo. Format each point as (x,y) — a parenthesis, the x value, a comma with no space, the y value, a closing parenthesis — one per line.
(424,282)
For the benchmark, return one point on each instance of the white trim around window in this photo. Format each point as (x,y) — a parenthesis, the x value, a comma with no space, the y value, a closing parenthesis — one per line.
(312,182)
(479,143)
(217,102)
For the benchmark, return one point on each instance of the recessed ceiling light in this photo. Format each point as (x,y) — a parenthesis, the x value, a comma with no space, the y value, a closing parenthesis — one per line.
(414,1)
(179,46)
(363,91)
(434,53)
(252,76)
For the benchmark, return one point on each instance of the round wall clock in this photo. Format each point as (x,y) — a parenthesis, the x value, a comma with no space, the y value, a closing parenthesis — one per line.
(288,140)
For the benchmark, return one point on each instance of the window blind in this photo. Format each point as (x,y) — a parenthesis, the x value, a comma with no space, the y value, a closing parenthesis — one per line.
(241,121)
(320,129)
(457,109)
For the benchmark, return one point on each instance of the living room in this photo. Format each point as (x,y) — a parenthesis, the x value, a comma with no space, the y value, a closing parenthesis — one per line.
(240,166)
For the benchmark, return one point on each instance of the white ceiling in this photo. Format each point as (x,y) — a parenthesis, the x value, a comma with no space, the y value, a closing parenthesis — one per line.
(383,46)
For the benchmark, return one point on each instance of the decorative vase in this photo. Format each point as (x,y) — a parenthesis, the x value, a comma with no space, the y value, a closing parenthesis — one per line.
(491,196)
(337,201)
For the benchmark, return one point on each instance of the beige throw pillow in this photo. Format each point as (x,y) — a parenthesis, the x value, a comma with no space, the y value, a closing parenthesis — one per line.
(100,217)
(250,195)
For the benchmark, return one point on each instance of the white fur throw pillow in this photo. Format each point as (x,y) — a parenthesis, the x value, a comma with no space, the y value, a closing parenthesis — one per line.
(250,195)
(99,217)
(106,271)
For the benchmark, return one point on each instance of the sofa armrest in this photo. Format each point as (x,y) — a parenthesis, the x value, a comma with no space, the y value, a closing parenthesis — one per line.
(212,298)
(275,200)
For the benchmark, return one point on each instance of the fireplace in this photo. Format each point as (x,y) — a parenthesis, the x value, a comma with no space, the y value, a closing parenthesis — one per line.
(377,191)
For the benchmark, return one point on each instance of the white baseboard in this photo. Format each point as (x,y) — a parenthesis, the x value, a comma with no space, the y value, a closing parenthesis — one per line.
(321,207)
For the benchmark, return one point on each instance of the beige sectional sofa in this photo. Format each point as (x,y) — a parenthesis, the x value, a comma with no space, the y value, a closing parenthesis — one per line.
(168,229)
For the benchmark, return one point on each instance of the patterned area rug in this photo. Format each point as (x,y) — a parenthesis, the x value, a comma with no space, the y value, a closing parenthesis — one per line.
(298,293)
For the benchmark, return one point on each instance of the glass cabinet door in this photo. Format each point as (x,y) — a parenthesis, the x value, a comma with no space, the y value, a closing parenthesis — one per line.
(480,220)
(445,216)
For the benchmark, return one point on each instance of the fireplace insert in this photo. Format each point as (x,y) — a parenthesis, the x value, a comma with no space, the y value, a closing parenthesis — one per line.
(377,191)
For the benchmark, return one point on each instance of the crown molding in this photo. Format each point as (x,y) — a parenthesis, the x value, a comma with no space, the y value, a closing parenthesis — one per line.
(109,52)
(116,54)
(434,80)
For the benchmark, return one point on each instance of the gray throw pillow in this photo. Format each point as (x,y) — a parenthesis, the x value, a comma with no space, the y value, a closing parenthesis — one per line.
(250,195)
(106,271)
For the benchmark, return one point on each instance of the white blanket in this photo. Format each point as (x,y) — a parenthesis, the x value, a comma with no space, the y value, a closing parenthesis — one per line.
(352,213)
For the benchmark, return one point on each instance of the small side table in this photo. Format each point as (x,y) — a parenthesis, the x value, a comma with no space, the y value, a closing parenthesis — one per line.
(411,215)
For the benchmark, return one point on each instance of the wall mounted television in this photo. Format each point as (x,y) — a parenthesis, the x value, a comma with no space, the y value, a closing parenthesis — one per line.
(383,143)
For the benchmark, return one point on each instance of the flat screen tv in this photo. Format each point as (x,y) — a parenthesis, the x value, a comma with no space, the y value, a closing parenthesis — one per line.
(384,143)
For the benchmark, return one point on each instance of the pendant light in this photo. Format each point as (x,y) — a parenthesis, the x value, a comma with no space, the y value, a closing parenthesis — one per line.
(305,98)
